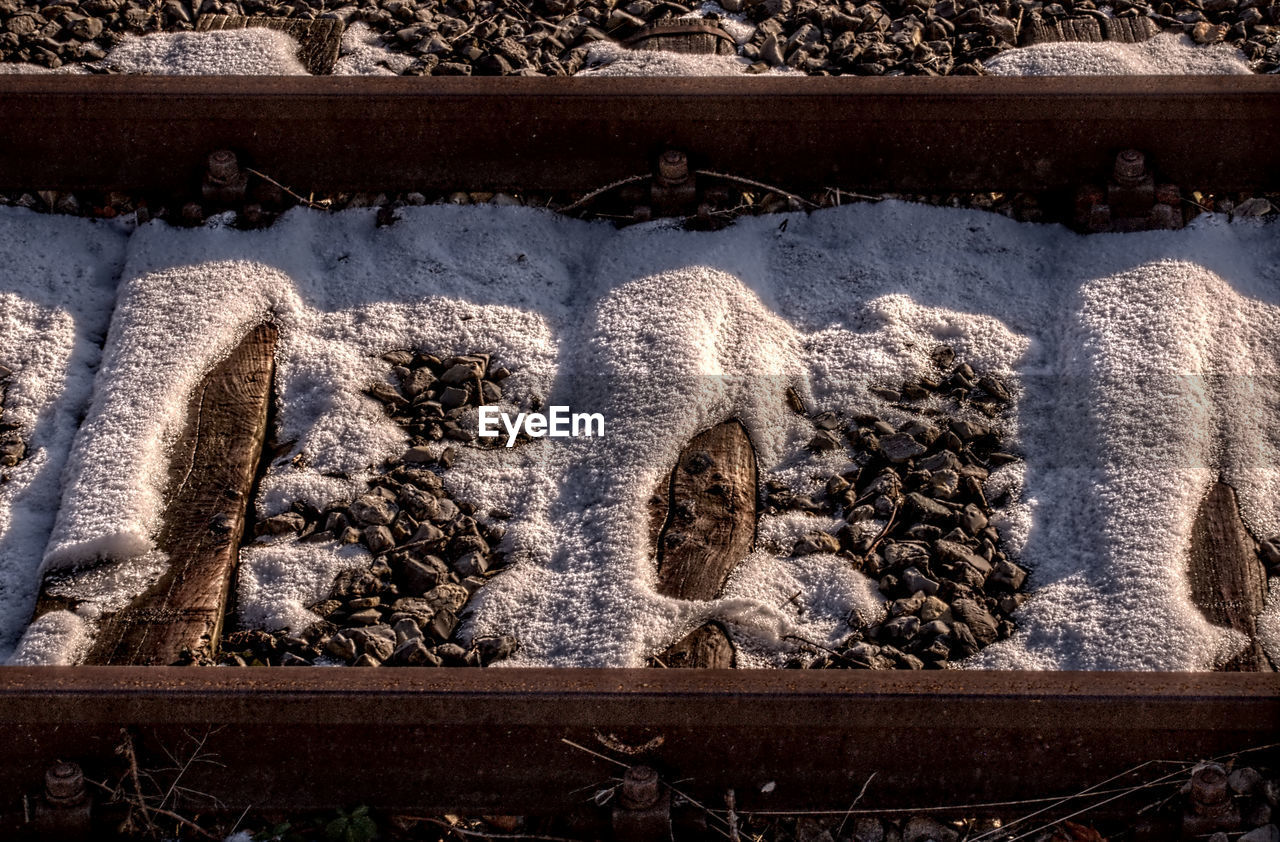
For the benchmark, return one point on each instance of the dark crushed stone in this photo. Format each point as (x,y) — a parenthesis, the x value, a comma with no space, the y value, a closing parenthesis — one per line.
(265,203)
(431,552)
(551,37)
(950,587)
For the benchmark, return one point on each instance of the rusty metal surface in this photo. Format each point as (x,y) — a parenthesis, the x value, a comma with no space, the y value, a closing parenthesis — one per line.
(493,739)
(909,134)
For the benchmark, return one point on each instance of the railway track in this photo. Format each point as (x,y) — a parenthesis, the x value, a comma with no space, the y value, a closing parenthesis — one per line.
(512,740)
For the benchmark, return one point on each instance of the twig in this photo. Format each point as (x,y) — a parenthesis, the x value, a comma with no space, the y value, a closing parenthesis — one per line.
(1197,204)
(829,651)
(594,194)
(733,211)
(883,532)
(945,809)
(701,807)
(759,185)
(126,748)
(192,759)
(473,26)
(1081,794)
(270,180)
(731,802)
(237,824)
(462,831)
(849,812)
(1083,810)
(594,753)
(185,822)
(859,196)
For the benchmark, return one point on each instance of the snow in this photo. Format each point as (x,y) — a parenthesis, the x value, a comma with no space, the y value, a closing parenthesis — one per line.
(737,25)
(363,54)
(606,58)
(255,51)
(57,279)
(1166,54)
(12,67)
(1142,366)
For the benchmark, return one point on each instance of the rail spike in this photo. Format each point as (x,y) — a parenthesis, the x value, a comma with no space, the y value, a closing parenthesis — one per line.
(225,183)
(643,809)
(63,811)
(1131,200)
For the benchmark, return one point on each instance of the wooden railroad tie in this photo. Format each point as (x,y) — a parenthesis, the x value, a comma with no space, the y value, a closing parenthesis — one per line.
(683,35)
(1228,580)
(211,475)
(318,39)
(703,522)
(1089,29)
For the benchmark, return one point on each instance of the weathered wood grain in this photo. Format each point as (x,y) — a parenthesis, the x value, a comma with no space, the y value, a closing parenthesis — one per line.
(1228,581)
(710,525)
(691,37)
(1089,29)
(659,505)
(211,474)
(318,39)
(1130,30)
(1080,29)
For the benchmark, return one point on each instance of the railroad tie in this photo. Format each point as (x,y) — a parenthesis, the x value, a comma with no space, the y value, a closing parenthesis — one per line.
(703,522)
(683,35)
(1093,29)
(178,619)
(318,39)
(1227,577)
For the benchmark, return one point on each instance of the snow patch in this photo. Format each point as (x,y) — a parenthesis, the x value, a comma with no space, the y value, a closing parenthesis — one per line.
(607,58)
(1166,54)
(363,53)
(254,51)
(57,282)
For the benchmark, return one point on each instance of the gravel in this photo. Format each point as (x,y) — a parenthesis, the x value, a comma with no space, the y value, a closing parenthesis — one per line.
(553,37)
(916,518)
(431,552)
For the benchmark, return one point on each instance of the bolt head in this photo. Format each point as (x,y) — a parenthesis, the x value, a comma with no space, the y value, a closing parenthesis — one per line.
(673,166)
(1209,783)
(640,787)
(223,166)
(1130,164)
(64,782)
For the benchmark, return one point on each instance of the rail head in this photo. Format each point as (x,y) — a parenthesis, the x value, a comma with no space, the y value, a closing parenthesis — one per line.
(531,741)
(898,134)
(28,694)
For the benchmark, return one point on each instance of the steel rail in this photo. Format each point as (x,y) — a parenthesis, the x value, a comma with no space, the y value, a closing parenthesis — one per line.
(499,739)
(495,740)
(898,134)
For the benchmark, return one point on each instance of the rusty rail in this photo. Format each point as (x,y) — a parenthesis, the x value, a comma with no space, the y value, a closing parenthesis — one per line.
(897,134)
(494,740)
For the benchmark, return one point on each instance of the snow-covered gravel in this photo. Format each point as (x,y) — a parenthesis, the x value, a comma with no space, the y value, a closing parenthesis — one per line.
(1140,364)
